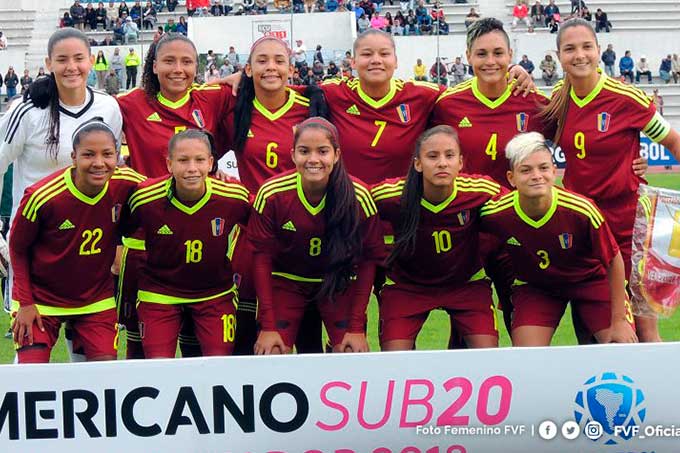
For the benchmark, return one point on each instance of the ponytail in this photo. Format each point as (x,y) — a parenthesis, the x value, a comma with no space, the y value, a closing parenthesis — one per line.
(44,94)
(243,111)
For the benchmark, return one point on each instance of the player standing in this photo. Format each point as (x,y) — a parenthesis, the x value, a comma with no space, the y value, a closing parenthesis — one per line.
(598,122)
(435,261)
(313,230)
(72,218)
(562,251)
(185,219)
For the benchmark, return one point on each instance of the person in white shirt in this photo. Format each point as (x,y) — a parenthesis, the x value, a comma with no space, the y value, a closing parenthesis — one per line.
(642,68)
(3,41)
(300,54)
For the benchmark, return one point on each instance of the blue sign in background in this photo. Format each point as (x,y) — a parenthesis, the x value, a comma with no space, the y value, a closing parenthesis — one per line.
(656,154)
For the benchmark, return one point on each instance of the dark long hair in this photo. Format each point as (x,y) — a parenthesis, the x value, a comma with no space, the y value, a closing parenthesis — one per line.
(150,82)
(243,111)
(342,238)
(44,94)
(407,229)
(555,113)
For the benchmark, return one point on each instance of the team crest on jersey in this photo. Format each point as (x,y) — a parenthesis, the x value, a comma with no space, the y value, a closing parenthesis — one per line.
(566,240)
(217,226)
(198,118)
(463,217)
(404,112)
(115,212)
(603,120)
(522,121)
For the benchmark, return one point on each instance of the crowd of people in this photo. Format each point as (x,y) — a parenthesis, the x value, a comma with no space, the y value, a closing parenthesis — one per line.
(308,245)
(550,16)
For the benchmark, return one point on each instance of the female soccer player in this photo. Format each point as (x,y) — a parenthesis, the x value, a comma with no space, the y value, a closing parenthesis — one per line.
(562,250)
(266,112)
(435,261)
(598,122)
(314,230)
(185,219)
(36,133)
(72,218)
(168,102)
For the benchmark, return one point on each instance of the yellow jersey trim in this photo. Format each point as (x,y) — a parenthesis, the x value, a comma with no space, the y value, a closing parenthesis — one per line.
(590,96)
(165,299)
(134,244)
(313,210)
(49,310)
(485,100)
(297,278)
(273,116)
(78,194)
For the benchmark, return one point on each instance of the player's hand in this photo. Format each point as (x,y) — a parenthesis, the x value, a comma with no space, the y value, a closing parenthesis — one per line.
(270,342)
(233,80)
(354,342)
(640,166)
(115,267)
(23,325)
(525,83)
(622,332)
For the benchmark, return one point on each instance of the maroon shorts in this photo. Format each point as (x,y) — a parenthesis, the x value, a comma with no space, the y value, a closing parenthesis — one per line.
(590,301)
(96,334)
(214,324)
(404,310)
(242,263)
(620,216)
(293,297)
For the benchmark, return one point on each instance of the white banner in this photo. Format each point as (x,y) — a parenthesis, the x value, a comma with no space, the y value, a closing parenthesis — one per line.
(281,29)
(624,397)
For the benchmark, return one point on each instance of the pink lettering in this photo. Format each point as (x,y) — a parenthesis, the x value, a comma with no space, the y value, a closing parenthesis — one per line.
(333,405)
(362,404)
(449,417)
(409,401)
(483,400)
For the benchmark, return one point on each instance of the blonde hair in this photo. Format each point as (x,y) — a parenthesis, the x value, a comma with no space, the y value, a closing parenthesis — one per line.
(524,145)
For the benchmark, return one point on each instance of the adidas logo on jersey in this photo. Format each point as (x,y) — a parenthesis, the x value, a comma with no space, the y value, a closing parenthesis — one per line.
(164,230)
(513,241)
(66,225)
(250,134)
(289,226)
(353,110)
(465,122)
(154,117)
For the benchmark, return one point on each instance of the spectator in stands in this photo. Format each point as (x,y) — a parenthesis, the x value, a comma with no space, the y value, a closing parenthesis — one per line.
(78,15)
(130,31)
(642,68)
(538,13)
(318,71)
(442,26)
(437,12)
(368,7)
(66,20)
(549,70)
(191,7)
(318,56)
(398,27)
(158,5)
(332,70)
(149,16)
(170,26)
(577,6)
(458,70)
(550,11)
(116,63)
(182,26)
(378,21)
(211,74)
(347,63)
(159,33)
(426,25)
(626,66)
(226,69)
(471,17)
(132,62)
(421,11)
(363,23)
(112,83)
(92,78)
(419,71)
(299,7)
(438,73)
(3,41)
(96,17)
(123,10)
(25,81)
(118,32)
(111,15)
(412,23)
(553,24)
(172,4)
(136,14)
(675,68)
(601,21)
(666,68)
(101,67)
(527,64)
(300,55)
(389,22)
(405,5)
(296,79)
(232,56)
(585,14)
(261,6)
(41,73)
(227,6)
(11,82)
(520,13)
(609,60)
(310,6)
(283,6)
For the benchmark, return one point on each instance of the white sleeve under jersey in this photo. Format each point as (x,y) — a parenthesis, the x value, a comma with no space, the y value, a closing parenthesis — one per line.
(24,133)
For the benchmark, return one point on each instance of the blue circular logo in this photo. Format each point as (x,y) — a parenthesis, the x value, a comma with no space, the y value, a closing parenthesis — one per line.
(609,400)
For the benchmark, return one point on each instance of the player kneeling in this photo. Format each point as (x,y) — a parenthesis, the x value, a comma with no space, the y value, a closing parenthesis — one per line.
(317,238)
(562,250)
(435,262)
(62,244)
(185,220)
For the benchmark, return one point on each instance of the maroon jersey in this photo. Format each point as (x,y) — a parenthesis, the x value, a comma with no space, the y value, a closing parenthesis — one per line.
(150,124)
(446,251)
(485,127)
(63,242)
(570,244)
(266,152)
(377,136)
(601,138)
(186,246)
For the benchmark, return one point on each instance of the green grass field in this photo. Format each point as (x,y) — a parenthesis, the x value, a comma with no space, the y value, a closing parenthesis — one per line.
(436,331)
